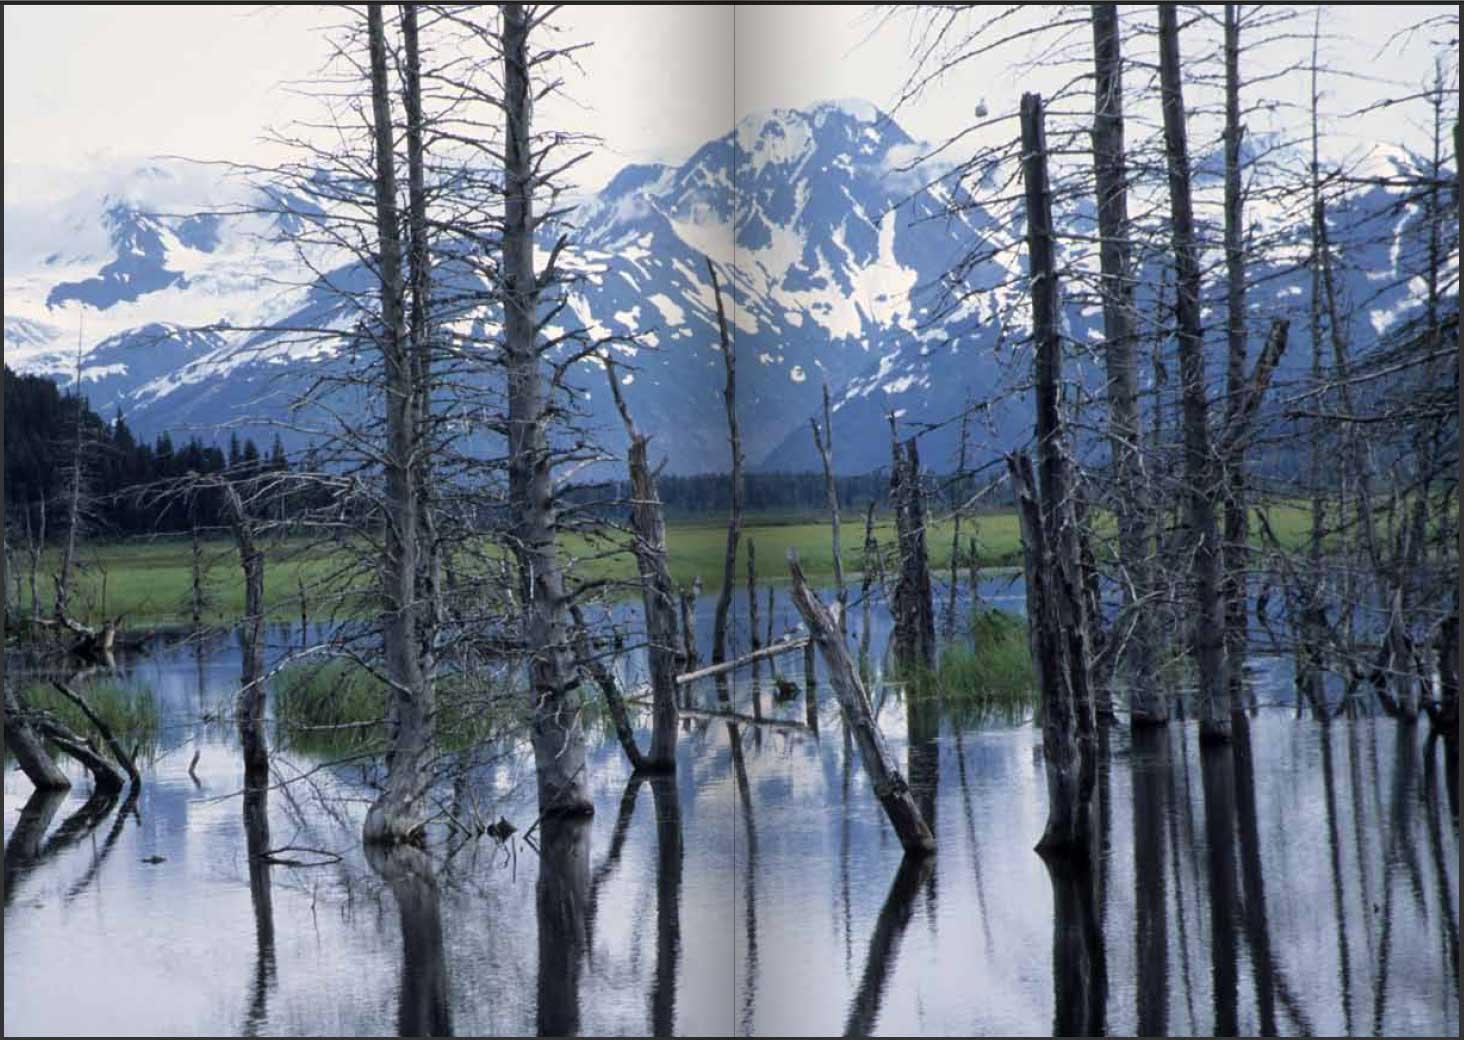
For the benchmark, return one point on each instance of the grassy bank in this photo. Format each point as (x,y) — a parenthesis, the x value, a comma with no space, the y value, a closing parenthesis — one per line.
(150,581)
(130,711)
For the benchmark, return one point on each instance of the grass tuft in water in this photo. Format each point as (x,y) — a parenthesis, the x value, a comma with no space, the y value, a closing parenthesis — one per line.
(129,710)
(985,675)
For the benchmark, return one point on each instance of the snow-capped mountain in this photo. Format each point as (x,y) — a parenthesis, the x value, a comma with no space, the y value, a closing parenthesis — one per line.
(835,264)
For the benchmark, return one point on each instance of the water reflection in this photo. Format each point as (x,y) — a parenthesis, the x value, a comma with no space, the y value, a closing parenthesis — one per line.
(261,896)
(670,856)
(1149,759)
(561,899)
(1079,975)
(884,944)
(1302,881)
(423,1008)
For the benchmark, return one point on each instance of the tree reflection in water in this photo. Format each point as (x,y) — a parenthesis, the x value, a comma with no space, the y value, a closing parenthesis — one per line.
(423,1008)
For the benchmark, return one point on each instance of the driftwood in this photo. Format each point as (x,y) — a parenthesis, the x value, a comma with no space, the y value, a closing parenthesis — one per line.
(889,785)
(776,649)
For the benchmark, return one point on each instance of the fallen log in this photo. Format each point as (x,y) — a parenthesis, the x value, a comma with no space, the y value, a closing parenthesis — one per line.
(889,785)
(126,761)
(775,650)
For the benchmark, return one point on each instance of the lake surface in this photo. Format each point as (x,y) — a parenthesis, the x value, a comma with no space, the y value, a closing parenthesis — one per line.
(1304,881)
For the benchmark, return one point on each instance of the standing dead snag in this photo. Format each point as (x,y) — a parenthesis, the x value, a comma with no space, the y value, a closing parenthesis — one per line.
(648,527)
(913,607)
(1208,621)
(1235,548)
(734,439)
(1058,624)
(1147,703)
(825,444)
(396,814)
(558,736)
(249,706)
(889,785)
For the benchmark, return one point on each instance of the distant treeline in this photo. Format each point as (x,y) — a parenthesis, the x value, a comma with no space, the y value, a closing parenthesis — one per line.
(41,453)
(122,476)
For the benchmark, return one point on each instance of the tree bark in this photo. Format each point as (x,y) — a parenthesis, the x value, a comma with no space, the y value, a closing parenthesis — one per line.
(396,815)
(1148,704)
(558,733)
(1208,623)
(734,439)
(889,785)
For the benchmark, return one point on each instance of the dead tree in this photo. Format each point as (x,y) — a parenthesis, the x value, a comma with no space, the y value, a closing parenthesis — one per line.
(558,735)
(609,689)
(734,439)
(396,814)
(913,608)
(950,620)
(1049,535)
(1147,702)
(250,704)
(648,529)
(73,499)
(1207,618)
(1236,545)
(22,741)
(824,442)
(889,785)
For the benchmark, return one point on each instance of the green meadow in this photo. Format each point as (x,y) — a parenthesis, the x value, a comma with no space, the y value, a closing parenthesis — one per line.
(148,581)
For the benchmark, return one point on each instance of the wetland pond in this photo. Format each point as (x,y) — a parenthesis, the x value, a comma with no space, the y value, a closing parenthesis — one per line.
(760,890)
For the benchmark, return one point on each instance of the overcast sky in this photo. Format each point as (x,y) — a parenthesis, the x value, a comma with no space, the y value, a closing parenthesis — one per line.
(87,83)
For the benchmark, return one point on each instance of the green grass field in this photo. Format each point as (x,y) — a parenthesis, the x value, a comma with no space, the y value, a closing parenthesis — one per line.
(149,581)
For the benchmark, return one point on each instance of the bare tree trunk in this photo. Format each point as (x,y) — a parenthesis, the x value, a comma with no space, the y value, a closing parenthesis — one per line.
(558,733)
(956,512)
(690,657)
(658,599)
(1147,703)
(1069,812)
(396,814)
(1068,708)
(196,561)
(825,445)
(1235,547)
(1309,654)
(73,505)
(1208,621)
(913,607)
(734,439)
(420,349)
(250,704)
(755,636)
(610,689)
(889,785)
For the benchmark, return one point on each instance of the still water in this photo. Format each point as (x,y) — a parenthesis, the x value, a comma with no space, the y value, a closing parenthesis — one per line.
(1303,882)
